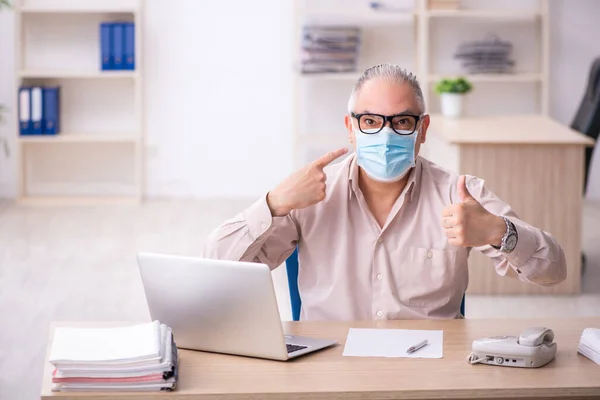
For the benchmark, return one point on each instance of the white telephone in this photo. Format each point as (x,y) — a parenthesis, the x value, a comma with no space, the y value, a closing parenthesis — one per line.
(533,348)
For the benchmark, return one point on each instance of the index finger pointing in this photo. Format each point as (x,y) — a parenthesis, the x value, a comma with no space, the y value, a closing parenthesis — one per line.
(330,157)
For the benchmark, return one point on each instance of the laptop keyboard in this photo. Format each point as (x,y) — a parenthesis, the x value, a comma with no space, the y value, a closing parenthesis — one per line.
(293,347)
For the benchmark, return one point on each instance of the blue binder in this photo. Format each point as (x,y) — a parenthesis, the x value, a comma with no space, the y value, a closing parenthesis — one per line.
(36,110)
(51,110)
(118,41)
(25,125)
(129,45)
(105,46)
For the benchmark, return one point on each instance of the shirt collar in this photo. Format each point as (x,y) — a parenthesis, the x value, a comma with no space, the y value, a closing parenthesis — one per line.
(414,173)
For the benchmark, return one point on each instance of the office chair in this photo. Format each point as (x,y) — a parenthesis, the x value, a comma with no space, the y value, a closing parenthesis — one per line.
(587,121)
(291,265)
(587,118)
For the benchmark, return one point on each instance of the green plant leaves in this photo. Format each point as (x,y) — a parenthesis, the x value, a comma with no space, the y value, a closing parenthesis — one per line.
(458,85)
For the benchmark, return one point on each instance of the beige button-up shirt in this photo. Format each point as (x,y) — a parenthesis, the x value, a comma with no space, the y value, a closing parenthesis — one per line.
(350,268)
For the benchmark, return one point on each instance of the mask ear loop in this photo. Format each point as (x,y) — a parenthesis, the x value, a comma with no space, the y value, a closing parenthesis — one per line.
(418,130)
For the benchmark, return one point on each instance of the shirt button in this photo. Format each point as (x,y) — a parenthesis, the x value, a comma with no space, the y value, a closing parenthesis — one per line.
(379,313)
(380,240)
(429,254)
(263,226)
(379,276)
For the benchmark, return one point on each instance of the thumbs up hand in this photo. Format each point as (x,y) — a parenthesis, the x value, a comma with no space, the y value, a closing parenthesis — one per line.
(469,224)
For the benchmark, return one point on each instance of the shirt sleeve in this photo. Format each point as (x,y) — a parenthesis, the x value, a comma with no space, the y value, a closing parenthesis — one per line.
(254,235)
(537,257)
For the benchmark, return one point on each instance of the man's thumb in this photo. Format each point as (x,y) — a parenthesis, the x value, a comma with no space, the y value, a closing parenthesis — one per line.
(463,192)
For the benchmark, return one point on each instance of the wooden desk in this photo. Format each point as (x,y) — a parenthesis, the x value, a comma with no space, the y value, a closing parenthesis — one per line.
(329,375)
(535,165)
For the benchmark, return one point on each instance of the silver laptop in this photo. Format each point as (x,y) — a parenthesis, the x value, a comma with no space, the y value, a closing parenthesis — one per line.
(220,306)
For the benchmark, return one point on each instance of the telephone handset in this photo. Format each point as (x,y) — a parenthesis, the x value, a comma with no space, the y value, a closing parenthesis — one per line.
(535,347)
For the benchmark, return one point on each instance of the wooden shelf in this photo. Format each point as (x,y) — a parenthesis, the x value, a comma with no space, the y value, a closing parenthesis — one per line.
(500,78)
(77,6)
(66,74)
(360,16)
(368,15)
(336,76)
(35,10)
(491,14)
(81,138)
(67,201)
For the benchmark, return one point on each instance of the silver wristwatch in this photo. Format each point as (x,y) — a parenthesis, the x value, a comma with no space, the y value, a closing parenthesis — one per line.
(510,238)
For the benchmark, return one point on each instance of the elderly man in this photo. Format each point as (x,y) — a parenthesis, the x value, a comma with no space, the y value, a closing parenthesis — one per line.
(385,234)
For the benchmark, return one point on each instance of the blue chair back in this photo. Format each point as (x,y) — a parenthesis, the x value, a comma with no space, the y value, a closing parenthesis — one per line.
(291,265)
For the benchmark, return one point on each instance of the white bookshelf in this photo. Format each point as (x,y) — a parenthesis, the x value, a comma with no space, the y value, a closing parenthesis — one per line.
(499,78)
(348,15)
(423,41)
(509,15)
(82,138)
(78,6)
(82,74)
(97,158)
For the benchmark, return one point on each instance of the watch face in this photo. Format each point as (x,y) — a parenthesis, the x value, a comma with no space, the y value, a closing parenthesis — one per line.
(511,242)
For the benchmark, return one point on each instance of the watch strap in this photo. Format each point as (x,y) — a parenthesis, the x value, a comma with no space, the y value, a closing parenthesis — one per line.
(510,228)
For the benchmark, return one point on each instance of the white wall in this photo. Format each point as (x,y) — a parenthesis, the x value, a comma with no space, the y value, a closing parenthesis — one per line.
(218,97)
(575,29)
(211,67)
(8,172)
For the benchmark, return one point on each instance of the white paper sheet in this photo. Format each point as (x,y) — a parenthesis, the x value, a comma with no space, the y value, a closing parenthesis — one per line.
(73,345)
(589,344)
(393,343)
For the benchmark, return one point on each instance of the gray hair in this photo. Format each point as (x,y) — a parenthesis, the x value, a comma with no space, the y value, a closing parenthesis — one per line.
(392,73)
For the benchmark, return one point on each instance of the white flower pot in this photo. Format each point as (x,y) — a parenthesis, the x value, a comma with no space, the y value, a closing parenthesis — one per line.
(452,104)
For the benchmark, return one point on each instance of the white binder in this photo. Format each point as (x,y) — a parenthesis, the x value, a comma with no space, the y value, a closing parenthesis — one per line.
(24,111)
(36,110)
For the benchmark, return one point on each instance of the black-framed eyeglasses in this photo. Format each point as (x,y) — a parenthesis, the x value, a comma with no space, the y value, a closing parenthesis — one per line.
(402,124)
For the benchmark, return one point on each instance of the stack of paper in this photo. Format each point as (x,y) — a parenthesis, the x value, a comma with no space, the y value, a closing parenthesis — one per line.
(589,344)
(488,56)
(134,358)
(329,49)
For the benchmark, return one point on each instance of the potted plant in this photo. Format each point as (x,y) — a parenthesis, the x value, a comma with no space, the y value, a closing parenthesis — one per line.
(452,92)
